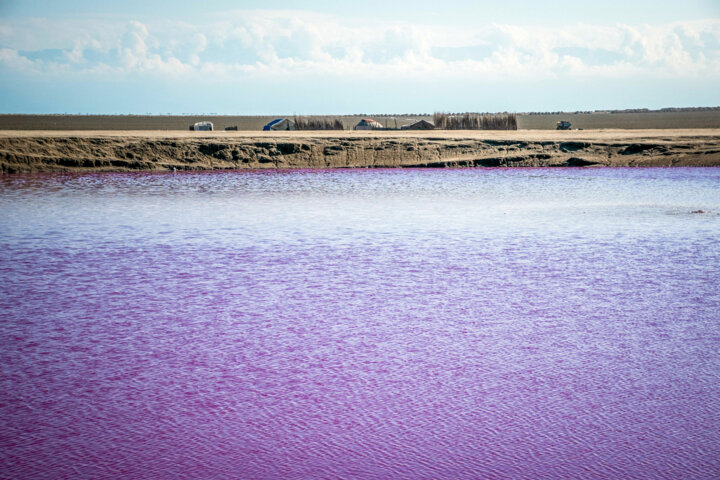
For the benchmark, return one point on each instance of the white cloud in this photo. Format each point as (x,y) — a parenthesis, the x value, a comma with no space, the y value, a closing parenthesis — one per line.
(280,43)
(11,59)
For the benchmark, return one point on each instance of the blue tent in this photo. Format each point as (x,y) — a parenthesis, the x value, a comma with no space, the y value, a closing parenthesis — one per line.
(280,124)
(266,128)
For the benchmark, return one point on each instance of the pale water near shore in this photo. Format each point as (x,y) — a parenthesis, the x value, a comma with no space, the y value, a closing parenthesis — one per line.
(534,323)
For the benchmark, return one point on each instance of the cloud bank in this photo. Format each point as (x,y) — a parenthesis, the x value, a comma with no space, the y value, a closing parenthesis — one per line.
(291,43)
(258,45)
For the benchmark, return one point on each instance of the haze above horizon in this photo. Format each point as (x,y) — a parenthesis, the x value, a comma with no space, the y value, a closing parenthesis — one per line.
(248,58)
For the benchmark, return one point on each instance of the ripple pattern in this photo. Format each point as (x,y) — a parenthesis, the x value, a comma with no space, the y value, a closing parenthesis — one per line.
(543,323)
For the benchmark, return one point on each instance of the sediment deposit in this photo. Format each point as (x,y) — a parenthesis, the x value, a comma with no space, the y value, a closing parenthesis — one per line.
(125,151)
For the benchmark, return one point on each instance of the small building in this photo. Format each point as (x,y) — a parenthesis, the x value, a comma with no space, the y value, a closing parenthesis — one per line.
(280,124)
(419,125)
(368,124)
(201,127)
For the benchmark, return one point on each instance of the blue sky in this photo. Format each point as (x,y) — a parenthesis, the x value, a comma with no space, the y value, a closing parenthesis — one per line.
(335,57)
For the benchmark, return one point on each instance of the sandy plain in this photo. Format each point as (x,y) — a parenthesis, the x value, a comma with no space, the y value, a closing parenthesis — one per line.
(699,134)
(545,121)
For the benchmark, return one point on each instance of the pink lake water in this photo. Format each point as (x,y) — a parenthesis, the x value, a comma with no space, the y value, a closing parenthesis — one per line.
(405,324)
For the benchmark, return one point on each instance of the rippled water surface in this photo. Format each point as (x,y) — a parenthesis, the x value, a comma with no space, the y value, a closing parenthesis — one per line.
(539,323)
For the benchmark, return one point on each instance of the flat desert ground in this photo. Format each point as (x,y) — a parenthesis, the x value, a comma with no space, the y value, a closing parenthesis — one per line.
(594,121)
(599,135)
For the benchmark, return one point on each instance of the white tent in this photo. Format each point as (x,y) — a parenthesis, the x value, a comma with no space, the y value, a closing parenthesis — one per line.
(368,124)
(203,126)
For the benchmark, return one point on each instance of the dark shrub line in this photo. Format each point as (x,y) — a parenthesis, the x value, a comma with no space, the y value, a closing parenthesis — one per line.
(475,121)
(315,123)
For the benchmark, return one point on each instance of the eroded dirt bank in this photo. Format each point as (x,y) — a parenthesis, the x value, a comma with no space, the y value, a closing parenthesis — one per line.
(92,151)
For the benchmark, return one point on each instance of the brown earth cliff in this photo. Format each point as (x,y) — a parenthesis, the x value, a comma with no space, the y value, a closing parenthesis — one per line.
(125,151)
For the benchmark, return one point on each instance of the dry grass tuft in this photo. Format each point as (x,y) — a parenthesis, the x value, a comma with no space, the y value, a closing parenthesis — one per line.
(475,121)
(318,123)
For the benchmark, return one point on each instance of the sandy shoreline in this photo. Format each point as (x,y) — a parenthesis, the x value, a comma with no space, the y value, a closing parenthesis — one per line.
(117,150)
(534,135)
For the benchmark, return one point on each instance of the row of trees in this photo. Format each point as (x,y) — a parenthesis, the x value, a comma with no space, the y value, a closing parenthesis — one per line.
(318,123)
(476,121)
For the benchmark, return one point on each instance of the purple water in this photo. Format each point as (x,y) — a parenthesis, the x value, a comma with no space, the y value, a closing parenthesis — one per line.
(540,323)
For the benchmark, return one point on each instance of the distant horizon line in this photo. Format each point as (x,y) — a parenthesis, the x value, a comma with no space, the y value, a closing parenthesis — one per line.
(213,114)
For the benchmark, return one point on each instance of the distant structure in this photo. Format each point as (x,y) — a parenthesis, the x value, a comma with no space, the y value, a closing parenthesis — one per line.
(280,124)
(419,125)
(231,129)
(201,127)
(368,124)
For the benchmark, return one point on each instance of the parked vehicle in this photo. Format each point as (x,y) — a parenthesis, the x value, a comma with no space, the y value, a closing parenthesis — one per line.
(201,127)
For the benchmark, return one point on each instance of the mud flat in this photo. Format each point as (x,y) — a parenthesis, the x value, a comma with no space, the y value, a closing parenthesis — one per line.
(48,151)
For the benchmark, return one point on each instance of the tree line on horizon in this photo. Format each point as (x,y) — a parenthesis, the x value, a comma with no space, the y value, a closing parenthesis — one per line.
(475,121)
(441,121)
